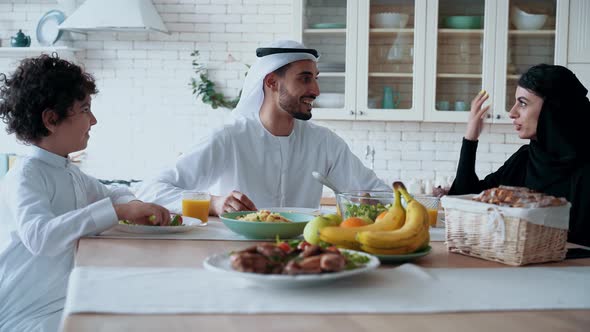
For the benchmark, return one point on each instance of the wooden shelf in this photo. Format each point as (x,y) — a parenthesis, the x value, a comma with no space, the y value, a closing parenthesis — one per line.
(512,77)
(449,75)
(461,31)
(324,31)
(390,31)
(332,74)
(375,74)
(532,32)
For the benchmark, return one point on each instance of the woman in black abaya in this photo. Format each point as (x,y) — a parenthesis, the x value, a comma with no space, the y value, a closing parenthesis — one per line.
(553,112)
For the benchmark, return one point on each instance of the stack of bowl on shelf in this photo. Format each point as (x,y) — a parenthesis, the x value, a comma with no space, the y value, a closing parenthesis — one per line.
(389,20)
(526,21)
(463,22)
(329,100)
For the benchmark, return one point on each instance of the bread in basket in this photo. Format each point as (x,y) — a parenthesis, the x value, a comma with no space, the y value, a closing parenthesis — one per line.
(510,225)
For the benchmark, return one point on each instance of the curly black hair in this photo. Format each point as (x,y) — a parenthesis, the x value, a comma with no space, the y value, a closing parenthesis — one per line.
(38,84)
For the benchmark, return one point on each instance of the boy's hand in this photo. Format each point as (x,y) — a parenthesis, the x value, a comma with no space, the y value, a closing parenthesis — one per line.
(143,213)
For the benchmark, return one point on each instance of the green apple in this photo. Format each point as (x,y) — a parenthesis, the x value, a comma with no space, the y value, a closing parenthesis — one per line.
(335,218)
(312,229)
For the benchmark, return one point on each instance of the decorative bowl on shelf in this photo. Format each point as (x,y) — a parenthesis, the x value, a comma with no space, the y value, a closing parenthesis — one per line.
(463,22)
(525,21)
(329,100)
(20,40)
(389,20)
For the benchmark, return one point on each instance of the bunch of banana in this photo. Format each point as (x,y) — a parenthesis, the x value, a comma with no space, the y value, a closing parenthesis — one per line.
(413,235)
(346,237)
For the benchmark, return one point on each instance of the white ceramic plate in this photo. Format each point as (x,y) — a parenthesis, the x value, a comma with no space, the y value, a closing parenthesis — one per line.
(221,263)
(48,31)
(189,224)
(315,212)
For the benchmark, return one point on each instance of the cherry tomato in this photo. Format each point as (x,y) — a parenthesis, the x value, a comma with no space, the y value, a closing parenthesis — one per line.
(303,245)
(176,220)
(284,246)
(333,249)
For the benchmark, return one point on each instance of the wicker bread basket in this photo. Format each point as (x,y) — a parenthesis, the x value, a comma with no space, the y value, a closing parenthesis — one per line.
(512,236)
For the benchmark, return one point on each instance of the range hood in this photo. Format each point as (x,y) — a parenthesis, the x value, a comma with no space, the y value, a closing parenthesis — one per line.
(115,15)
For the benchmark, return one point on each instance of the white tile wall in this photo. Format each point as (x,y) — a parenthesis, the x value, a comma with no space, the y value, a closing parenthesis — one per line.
(147,114)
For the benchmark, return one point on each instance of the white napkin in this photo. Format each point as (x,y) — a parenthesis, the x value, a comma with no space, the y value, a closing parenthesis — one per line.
(406,289)
(437,235)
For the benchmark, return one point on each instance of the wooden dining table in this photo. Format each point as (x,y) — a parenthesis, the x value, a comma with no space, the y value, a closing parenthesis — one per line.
(102,252)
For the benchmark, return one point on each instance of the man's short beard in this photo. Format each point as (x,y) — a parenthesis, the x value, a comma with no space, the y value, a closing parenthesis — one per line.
(291,105)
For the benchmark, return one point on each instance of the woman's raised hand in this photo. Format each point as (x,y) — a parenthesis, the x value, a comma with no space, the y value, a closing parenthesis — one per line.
(476,116)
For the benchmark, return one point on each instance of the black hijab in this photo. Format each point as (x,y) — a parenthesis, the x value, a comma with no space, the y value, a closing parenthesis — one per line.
(561,146)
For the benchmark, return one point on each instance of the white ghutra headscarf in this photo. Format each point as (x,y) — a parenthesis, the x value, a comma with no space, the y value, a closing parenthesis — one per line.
(253,92)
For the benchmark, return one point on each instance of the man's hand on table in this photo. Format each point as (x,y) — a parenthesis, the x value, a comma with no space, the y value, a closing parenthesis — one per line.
(235,201)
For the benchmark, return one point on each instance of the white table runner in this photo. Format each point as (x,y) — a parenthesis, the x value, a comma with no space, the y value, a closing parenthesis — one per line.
(406,289)
(216,230)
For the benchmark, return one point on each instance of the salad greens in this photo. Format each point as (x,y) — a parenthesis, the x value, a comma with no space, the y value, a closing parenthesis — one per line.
(365,210)
(176,221)
(354,260)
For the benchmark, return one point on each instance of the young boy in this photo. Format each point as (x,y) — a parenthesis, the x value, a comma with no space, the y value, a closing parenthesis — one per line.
(49,202)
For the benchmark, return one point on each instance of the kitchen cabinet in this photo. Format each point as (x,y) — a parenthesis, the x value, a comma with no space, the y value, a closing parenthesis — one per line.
(364,61)
(430,65)
(517,50)
(579,42)
(331,27)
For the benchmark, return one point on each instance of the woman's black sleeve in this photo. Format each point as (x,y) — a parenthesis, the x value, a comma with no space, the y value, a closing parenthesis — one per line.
(579,231)
(466,180)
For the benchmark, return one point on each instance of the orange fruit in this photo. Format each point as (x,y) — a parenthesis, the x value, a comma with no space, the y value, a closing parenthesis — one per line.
(353,222)
(381,215)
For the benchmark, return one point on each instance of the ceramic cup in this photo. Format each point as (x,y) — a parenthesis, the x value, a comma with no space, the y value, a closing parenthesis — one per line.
(372,102)
(442,105)
(387,97)
(460,106)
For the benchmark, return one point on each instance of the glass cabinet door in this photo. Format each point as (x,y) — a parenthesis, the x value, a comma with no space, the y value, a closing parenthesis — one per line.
(460,55)
(530,38)
(391,48)
(327,25)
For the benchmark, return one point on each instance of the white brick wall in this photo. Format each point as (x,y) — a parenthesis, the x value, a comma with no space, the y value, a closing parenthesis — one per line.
(147,114)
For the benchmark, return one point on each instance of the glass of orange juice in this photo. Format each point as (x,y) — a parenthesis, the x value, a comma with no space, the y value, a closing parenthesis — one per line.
(431,204)
(196,204)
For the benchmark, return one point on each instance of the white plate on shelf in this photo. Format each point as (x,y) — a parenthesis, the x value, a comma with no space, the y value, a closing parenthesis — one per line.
(331,66)
(221,263)
(48,31)
(188,224)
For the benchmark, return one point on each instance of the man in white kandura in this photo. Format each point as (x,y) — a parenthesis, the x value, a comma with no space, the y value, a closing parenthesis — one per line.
(265,157)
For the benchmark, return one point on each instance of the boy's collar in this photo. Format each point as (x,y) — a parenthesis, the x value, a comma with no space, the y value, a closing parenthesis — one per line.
(48,157)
